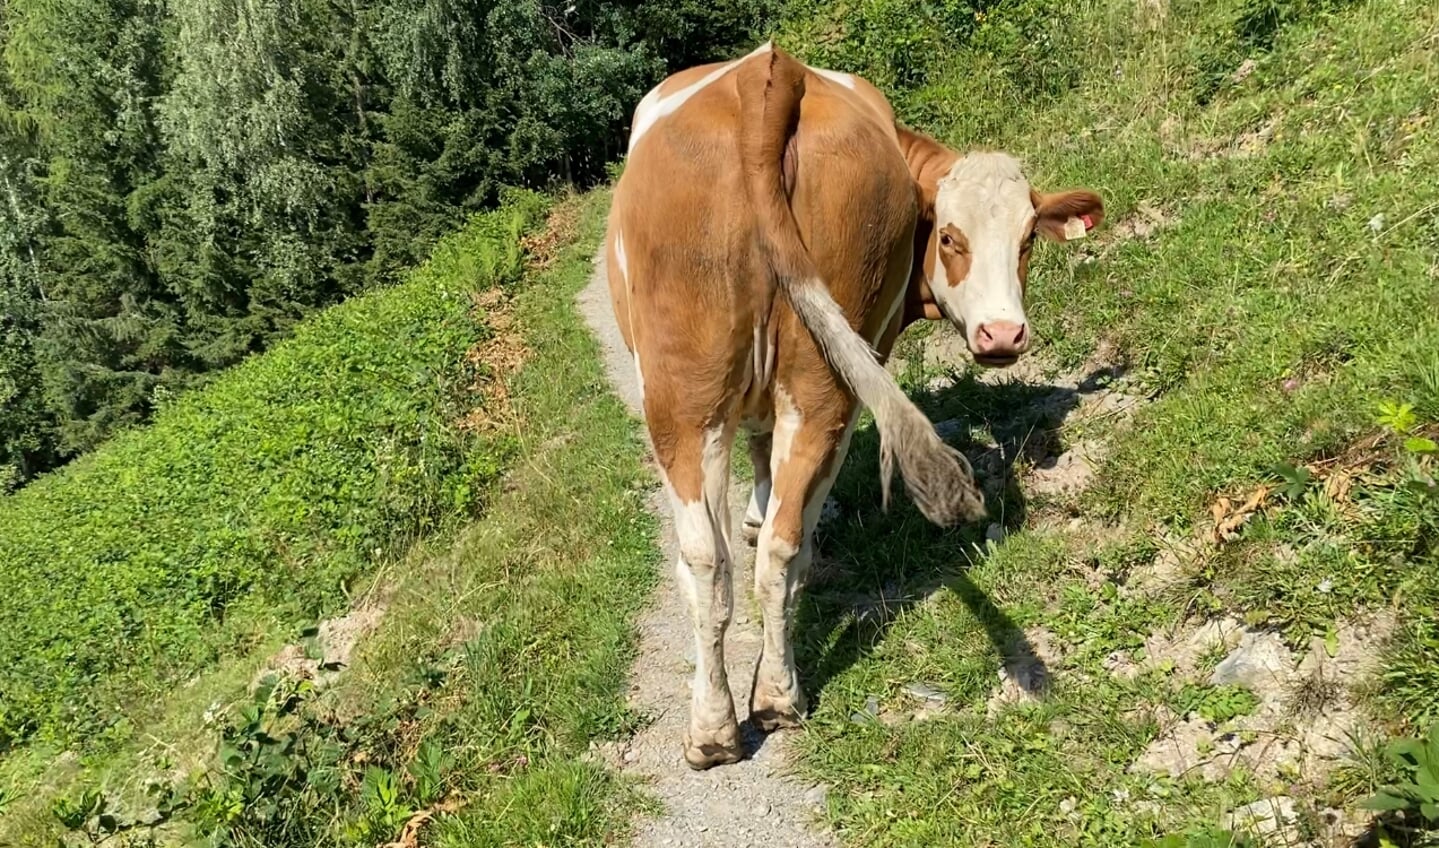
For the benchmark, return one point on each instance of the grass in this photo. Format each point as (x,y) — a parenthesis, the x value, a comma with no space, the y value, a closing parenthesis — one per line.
(249,506)
(1288,288)
(500,656)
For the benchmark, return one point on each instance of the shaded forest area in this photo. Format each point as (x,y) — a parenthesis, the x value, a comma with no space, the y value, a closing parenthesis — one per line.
(183,180)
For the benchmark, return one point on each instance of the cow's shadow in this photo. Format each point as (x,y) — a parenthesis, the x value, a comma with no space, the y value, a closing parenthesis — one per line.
(872,564)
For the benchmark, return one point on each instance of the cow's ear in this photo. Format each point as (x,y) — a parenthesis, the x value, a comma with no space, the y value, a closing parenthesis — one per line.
(1067,215)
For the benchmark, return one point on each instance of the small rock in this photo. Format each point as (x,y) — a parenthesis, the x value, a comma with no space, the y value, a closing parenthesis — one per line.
(925,692)
(994,533)
(1229,743)
(1261,664)
(817,795)
(631,755)
(1068,805)
(949,428)
(1265,818)
(1245,69)
(1121,665)
(871,705)
(1376,223)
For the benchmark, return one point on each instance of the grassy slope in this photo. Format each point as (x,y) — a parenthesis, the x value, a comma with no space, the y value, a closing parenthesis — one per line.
(504,644)
(544,589)
(1268,318)
(248,506)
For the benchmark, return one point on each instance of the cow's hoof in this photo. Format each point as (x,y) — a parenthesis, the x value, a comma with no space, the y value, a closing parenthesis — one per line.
(717,753)
(750,532)
(770,719)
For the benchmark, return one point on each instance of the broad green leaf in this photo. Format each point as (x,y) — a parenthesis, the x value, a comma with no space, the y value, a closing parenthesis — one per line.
(1384,802)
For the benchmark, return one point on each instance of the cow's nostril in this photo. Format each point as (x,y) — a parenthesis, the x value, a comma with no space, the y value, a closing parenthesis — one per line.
(1020,336)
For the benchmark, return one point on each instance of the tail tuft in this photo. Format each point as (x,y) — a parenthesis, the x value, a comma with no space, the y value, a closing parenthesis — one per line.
(937,477)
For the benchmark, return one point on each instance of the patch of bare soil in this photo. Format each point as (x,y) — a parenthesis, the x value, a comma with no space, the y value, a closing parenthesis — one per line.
(750,803)
(321,656)
(1146,220)
(1304,725)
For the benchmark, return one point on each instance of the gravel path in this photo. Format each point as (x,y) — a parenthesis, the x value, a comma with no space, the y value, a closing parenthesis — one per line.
(748,803)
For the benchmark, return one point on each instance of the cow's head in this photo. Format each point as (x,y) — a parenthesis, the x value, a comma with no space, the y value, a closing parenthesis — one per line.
(986,218)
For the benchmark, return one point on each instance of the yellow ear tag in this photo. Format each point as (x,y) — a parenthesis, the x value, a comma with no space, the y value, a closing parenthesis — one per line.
(1074,229)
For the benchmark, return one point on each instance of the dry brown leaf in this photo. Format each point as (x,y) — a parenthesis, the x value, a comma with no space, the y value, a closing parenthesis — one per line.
(1228,519)
(410,833)
(1338,484)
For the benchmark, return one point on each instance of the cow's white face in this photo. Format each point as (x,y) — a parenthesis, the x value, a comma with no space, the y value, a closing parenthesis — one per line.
(986,218)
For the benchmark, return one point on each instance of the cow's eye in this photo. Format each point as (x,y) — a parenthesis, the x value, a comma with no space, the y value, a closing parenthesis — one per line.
(946,240)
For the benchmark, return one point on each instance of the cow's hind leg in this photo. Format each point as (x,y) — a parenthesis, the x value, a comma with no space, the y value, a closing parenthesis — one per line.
(808,449)
(696,466)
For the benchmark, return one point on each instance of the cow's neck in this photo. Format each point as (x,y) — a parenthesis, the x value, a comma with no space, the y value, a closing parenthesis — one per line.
(929,161)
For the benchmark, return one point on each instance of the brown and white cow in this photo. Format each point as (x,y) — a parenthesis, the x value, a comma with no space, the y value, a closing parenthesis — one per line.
(761,249)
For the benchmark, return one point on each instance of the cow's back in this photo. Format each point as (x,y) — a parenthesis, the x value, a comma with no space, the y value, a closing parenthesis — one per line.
(687,273)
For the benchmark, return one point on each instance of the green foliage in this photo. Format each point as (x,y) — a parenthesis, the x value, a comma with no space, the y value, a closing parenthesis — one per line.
(183,182)
(262,496)
(1217,704)
(1396,417)
(1029,49)
(278,772)
(1205,837)
(27,430)
(1296,480)
(1417,791)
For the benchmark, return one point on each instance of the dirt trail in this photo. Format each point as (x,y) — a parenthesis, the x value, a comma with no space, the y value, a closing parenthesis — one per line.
(751,802)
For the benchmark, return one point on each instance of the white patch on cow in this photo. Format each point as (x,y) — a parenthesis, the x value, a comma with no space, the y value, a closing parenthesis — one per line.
(986,197)
(703,572)
(787,422)
(621,258)
(656,105)
(846,80)
(761,361)
(758,503)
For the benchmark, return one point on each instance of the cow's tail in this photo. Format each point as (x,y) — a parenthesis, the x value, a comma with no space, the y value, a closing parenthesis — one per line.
(937,477)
